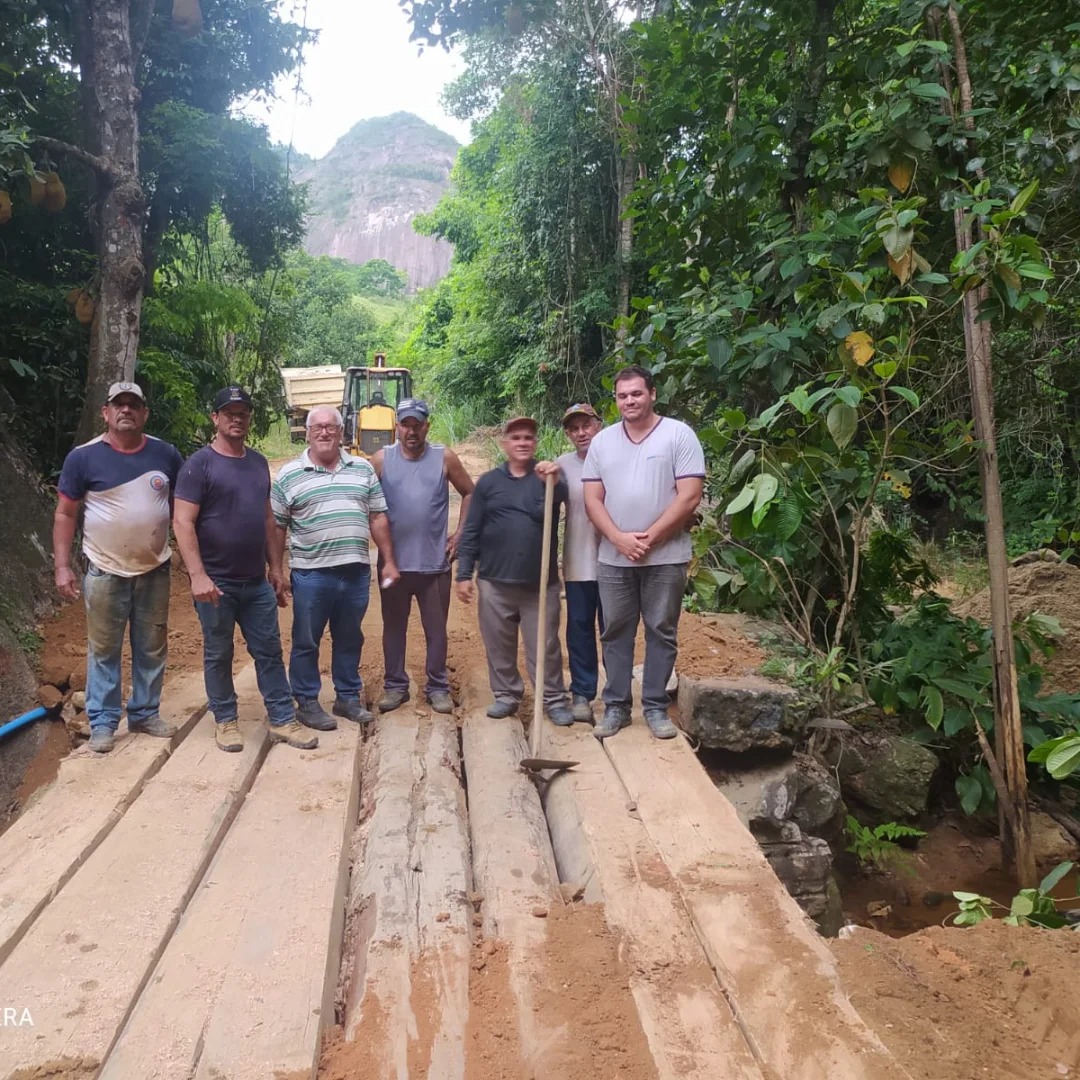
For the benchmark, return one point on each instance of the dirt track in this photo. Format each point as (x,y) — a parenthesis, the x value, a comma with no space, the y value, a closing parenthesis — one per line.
(570,977)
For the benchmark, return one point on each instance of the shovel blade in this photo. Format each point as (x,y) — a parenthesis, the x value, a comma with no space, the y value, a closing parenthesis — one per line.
(539,764)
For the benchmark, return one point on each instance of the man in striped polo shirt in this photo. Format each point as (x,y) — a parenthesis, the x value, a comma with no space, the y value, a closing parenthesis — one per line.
(330,505)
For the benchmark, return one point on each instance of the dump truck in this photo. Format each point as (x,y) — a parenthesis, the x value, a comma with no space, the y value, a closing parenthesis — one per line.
(308,387)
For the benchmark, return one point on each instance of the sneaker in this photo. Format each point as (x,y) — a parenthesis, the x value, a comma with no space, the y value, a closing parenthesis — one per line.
(154,726)
(582,709)
(102,740)
(660,724)
(500,709)
(311,714)
(441,702)
(615,719)
(561,715)
(352,710)
(227,736)
(392,699)
(292,734)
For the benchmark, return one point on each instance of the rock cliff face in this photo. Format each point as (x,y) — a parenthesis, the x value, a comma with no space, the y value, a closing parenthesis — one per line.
(365,193)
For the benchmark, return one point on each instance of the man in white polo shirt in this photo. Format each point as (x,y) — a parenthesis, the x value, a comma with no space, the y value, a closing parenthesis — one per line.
(124,482)
(331,505)
(643,481)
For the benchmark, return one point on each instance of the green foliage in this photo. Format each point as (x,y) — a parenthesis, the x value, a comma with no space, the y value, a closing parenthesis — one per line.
(1029,907)
(935,670)
(878,846)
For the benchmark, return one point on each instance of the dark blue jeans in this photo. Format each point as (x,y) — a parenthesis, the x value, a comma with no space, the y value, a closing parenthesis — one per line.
(583,613)
(337,595)
(252,606)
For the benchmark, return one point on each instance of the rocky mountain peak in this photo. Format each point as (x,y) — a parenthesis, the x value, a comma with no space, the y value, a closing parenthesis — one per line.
(366,191)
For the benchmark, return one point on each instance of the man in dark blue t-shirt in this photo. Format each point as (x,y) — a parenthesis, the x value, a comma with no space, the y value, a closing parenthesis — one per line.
(222,522)
(122,482)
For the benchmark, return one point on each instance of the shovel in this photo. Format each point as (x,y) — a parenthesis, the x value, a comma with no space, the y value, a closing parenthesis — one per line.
(536,763)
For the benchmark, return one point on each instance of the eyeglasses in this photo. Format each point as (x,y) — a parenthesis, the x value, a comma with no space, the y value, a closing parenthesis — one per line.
(328,429)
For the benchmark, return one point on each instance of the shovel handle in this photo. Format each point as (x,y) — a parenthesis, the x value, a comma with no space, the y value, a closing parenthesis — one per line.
(536,732)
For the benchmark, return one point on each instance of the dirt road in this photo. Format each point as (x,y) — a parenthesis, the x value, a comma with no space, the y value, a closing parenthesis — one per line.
(413,905)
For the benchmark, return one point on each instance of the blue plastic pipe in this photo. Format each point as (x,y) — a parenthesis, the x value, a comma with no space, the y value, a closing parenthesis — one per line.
(22,721)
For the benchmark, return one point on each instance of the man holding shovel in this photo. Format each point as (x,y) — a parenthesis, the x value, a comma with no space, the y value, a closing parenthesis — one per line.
(503,541)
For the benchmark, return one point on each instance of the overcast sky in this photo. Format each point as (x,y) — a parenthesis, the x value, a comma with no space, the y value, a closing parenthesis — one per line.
(362,66)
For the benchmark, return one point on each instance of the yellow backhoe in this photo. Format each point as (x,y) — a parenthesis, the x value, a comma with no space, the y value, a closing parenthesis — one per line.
(370,405)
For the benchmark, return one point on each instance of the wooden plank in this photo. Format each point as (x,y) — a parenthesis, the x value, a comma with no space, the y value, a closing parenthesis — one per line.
(513,868)
(688,1023)
(408,946)
(86,957)
(774,968)
(246,983)
(67,821)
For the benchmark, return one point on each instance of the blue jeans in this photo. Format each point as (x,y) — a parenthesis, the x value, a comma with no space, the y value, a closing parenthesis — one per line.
(652,595)
(583,612)
(339,596)
(252,606)
(112,603)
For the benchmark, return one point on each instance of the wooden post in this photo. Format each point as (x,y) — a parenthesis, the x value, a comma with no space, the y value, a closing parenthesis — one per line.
(536,732)
(1008,721)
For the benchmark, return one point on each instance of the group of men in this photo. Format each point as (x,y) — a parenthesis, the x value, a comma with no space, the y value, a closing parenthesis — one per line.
(630,492)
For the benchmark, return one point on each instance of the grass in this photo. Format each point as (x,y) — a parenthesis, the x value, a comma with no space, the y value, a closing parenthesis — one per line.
(276,442)
(959,563)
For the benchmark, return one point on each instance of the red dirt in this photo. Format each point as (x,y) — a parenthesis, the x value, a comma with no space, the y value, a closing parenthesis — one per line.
(709,647)
(991,1002)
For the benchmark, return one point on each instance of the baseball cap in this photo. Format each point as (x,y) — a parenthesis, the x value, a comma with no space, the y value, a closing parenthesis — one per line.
(519,421)
(119,388)
(231,395)
(415,408)
(582,408)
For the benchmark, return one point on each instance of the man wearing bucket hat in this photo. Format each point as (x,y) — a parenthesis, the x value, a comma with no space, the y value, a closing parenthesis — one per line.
(415,477)
(225,530)
(123,483)
(580,542)
(502,541)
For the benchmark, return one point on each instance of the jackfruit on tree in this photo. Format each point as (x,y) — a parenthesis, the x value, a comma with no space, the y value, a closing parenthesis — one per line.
(37,191)
(55,196)
(187,17)
(84,308)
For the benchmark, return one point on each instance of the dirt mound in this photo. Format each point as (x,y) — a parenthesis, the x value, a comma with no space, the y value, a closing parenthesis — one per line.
(990,1001)
(710,647)
(1051,588)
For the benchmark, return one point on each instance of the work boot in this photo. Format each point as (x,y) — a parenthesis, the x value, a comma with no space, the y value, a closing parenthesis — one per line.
(500,709)
(583,709)
(616,717)
(102,740)
(561,715)
(351,709)
(660,724)
(392,699)
(441,702)
(154,726)
(292,734)
(311,714)
(227,736)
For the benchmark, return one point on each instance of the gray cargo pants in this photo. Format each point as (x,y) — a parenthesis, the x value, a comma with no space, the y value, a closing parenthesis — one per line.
(502,609)
(652,594)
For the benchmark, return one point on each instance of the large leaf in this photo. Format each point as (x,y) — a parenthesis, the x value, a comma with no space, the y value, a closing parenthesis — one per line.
(787,516)
(935,706)
(901,173)
(842,420)
(767,486)
(741,501)
(1055,876)
(860,347)
(1065,759)
(970,791)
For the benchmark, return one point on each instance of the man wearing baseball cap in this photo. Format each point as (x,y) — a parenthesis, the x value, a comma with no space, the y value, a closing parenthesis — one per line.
(123,480)
(503,541)
(225,530)
(580,542)
(415,477)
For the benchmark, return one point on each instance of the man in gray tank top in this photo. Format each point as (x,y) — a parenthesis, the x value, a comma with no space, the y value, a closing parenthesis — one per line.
(415,477)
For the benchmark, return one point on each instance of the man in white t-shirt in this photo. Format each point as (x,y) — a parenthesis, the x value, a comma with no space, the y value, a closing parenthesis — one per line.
(580,542)
(122,484)
(643,481)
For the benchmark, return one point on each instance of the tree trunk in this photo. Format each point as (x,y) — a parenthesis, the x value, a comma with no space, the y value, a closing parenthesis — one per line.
(625,245)
(109,83)
(1008,720)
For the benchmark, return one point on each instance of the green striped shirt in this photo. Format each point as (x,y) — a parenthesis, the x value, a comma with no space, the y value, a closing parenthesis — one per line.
(326,510)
